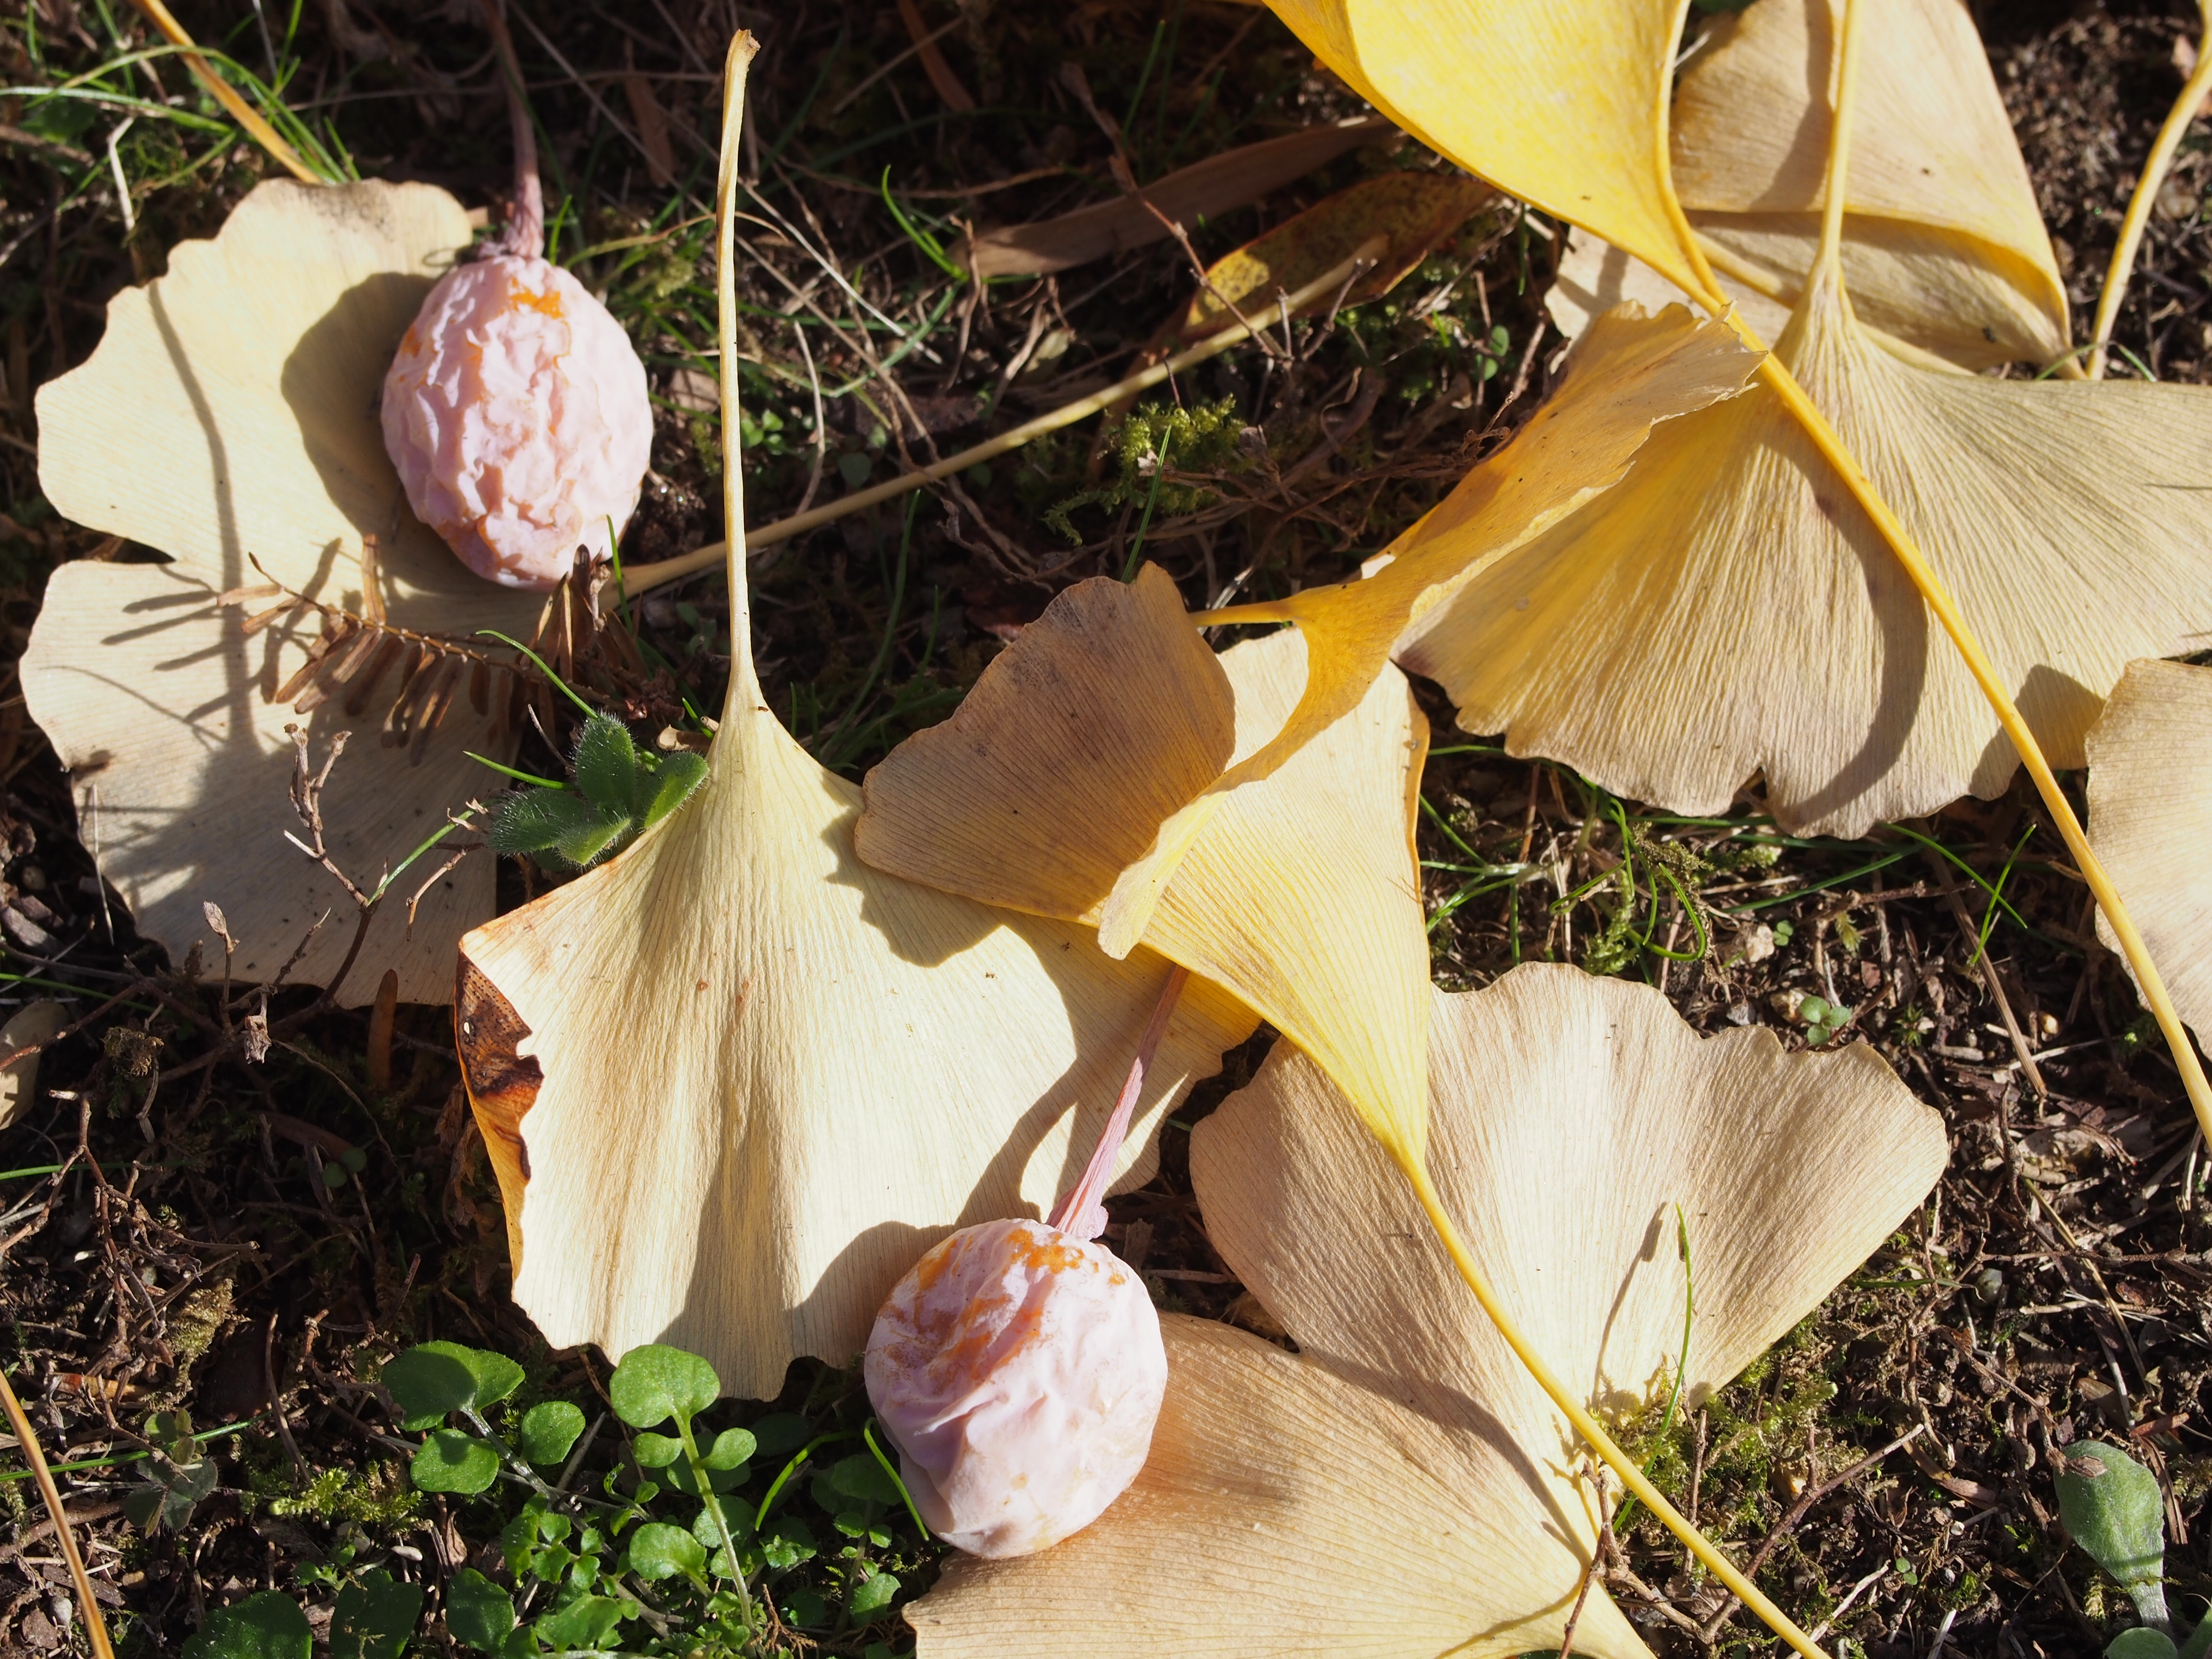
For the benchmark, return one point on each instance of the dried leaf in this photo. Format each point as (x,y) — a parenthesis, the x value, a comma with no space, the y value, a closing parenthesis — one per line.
(1411,212)
(1206,190)
(1405,1443)
(33,1024)
(843,1066)
(2150,814)
(1728,607)
(1943,250)
(1294,888)
(232,407)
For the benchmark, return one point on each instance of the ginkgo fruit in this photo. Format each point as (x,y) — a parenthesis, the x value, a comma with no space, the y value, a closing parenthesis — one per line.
(516,410)
(1019,1366)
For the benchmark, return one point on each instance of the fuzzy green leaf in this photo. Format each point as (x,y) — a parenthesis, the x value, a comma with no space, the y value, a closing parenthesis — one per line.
(537,820)
(676,777)
(2140,1643)
(2113,1509)
(606,765)
(656,1383)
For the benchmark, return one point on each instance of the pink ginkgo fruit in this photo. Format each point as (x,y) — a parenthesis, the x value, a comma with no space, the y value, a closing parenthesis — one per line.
(1018,1367)
(516,410)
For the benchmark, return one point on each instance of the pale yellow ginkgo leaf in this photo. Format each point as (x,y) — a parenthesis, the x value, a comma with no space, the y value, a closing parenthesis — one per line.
(1405,1445)
(231,412)
(1727,608)
(2150,817)
(736,1082)
(1562,105)
(1944,246)
(1048,788)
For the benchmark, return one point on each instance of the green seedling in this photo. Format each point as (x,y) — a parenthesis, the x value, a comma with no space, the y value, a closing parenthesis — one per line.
(2114,1509)
(180,1477)
(620,791)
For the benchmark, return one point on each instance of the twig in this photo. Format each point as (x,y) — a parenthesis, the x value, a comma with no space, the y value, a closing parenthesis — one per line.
(642,578)
(95,1626)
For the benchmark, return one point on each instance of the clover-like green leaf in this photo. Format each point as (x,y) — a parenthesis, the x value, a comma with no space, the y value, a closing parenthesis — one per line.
(374,1616)
(548,1431)
(267,1624)
(657,1451)
(656,1383)
(860,1476)
(478,1612)
(450,1461)
(658,1551)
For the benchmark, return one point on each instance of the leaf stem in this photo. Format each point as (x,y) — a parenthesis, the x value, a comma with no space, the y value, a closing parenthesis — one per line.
(645,577)
(2155,167)
(1589,1427)
(245,114)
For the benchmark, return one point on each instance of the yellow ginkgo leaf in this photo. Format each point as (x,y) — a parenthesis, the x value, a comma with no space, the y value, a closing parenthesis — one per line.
(1563,106)
(1405,1441)
(1055,785)
(1943,245)
(2150,815)
(231,412)
(1728,607)
(736,1082)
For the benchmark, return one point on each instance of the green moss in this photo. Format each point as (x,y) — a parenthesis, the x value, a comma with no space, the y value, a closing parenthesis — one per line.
(379,1496)
(1200,439)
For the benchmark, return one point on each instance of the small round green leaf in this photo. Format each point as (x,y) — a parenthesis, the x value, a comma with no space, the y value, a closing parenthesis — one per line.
(548,1431)
(657,1451)
(658,1550)
(478,1612)
(860,1476)
(374,1616)
(871,1595)
(656,1383)
(456,1463)
(430,1381)
(733,1449)
(2140,1643)
(265,1625)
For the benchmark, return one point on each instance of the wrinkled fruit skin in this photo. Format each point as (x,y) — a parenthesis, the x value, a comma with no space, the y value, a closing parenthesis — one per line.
(1020,1370)
(516,413)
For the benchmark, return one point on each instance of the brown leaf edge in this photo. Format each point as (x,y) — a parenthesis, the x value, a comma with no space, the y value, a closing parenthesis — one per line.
(502,1086)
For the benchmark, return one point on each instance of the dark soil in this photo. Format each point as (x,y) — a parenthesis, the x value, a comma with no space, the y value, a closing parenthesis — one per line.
(255,1239)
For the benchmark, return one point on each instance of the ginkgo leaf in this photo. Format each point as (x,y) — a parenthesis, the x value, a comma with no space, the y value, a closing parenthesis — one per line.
(735,1082)
(231,410)
(1944,246)
(1055,786)
(1728,607)
(1405,1445)
(1084,776)
(2150,817)
(1570,115)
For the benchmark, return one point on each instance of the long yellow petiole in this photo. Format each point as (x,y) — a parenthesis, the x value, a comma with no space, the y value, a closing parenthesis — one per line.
(2193,93)
(1586,1425)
